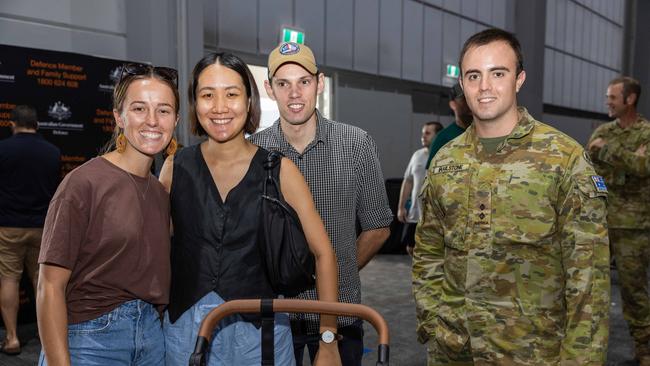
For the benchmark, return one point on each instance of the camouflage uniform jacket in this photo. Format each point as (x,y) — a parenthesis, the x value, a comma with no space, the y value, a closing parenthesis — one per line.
(627,175)
(512,254)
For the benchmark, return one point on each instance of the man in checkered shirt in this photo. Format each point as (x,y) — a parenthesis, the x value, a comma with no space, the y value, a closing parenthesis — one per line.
(341,166)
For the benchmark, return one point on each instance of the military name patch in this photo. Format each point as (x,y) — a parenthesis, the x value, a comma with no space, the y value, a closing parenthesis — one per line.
(599,183)
(450,168)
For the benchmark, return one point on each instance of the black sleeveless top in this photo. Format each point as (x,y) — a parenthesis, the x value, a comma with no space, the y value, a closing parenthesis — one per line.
(214,247)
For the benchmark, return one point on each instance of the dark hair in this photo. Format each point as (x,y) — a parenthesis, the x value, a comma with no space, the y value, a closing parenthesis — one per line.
(235,64)
(630,86)
(437,127)
(493,35)
(119,94)
(25,116)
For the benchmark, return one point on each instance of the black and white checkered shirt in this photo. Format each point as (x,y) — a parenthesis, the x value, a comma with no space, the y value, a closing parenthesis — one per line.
(342,170)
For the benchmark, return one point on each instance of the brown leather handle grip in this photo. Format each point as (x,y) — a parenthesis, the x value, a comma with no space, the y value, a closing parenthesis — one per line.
(296,306)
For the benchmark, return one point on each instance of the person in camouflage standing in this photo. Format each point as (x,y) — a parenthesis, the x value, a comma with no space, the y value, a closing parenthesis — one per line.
(511,257)
(618,150)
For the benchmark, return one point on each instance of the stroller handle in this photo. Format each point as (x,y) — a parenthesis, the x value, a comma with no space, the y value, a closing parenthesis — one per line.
(295,306)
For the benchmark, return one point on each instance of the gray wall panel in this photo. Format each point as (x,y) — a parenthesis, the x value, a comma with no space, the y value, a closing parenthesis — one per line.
(412,40)
(567,82)
(467,29)
(434,2)
(452,5)
(432,72)
(550,23)
(580,32)
(27,34)
(558,79)
(570,29)
(274,15)
(99,14)
(237,22)
(366,36)
(499,13)
(593,35)
(585,71)
(469,8)
(210,23)
(385,114)
(548,76)
(309,16)
(485,11)
(601,46)
(560,24)
(338,28)
(390,37)
(102,15)
(592,87)
(451,42)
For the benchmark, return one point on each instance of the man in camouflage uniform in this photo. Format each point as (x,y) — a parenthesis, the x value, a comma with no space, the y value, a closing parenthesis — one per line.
(618,150)
(511,261)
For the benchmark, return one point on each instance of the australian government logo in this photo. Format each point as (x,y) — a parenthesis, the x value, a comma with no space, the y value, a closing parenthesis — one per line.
(6,78)
(60,113)
(113,78)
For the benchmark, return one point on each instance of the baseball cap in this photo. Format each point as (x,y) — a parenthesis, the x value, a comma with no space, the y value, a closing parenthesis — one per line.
(455,91)
(292,52)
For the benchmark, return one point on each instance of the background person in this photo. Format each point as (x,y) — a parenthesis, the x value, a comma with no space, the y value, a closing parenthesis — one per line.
(618,149)
(29,175)
(462,119)
(216,190)
(412,185)
(342,169)
(104,274)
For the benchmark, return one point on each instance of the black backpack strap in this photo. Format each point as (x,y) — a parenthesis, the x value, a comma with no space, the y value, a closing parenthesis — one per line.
(268,325)
(272,167)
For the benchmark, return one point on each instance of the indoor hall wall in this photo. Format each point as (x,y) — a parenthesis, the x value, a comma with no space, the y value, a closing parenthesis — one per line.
(405,39)
(583,51)
(92,27)
(391,112)
(363,43)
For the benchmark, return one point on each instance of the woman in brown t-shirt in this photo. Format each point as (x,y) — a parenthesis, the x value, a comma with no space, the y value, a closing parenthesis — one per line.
(105,251)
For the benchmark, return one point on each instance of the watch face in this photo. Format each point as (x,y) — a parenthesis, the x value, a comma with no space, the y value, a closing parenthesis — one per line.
(327,336)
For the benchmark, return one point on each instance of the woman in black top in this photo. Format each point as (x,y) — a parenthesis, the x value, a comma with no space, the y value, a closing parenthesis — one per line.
(215,190)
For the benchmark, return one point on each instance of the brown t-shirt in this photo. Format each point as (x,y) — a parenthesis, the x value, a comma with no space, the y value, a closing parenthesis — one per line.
(111,229)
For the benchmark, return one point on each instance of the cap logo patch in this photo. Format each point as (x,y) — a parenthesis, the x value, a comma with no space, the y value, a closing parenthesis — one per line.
(289,48)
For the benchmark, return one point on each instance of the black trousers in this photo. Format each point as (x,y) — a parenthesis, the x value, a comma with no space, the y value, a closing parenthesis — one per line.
(350,347)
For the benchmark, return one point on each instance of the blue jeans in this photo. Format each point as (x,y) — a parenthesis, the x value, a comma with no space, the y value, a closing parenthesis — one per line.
(234,341)
(130,334)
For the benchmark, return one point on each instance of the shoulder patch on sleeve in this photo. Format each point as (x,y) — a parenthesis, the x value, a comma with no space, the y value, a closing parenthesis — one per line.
(599,183)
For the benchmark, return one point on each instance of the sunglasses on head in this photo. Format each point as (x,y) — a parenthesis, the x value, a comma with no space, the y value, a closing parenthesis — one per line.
(144,69)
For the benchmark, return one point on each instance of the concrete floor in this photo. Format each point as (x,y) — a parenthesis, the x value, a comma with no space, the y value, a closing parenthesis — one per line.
(386,286)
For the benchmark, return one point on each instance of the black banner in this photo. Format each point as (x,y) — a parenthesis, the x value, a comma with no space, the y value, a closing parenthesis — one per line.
(71,93)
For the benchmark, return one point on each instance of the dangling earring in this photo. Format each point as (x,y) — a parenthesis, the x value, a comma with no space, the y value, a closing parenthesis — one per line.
(120,143)
(171,148)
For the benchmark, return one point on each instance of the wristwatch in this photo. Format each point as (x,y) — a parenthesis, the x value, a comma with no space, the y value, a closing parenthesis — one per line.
(328,337)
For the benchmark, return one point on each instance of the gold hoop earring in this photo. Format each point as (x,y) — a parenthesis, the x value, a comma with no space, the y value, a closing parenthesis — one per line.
(120,143)
(171,148)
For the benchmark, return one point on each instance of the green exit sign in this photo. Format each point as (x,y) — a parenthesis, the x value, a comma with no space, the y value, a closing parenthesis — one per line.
(292,35)
(453,71)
